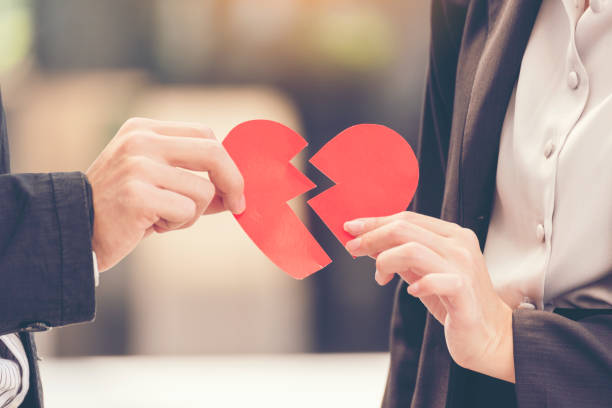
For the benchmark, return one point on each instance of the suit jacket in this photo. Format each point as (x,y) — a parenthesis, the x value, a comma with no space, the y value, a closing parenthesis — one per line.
(562,359)
(46,267)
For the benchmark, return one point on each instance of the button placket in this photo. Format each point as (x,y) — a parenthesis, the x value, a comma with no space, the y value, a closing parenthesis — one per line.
(576,93)
(540,233)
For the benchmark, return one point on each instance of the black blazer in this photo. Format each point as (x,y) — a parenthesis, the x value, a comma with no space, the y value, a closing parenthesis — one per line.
(46,269)
(476,52)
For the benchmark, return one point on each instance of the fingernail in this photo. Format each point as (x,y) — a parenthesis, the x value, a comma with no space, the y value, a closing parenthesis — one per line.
(378,278)
(240,206)
(353,245)
(354,227)
(413,288)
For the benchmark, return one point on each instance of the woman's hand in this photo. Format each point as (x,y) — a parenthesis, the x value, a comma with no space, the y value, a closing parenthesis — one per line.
(446,270)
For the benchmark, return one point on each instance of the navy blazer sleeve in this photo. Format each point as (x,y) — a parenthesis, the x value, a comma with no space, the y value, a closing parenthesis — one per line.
(561,362)
(46,266)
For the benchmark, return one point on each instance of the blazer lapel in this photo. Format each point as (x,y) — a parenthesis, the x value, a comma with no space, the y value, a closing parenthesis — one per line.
(494,41)
(489,67)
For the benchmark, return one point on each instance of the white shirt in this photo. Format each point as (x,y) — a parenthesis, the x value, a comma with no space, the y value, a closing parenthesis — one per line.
(14,376)
(551,226)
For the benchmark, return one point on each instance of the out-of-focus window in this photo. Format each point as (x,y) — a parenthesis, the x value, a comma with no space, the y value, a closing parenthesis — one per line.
(15,32)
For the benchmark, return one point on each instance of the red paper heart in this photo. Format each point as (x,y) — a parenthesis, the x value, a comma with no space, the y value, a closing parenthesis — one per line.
(262,150)
(375,171)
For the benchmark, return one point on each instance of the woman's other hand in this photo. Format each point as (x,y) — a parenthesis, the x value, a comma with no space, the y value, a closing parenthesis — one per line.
(445,268)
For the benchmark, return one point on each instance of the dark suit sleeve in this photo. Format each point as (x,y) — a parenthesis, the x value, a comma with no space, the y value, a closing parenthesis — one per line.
(560,362)
(407,324)
(46,266)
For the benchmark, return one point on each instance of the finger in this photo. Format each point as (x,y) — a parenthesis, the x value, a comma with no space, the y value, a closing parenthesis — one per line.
(170,210)
(382,279)
(455,296)
(200,190)
(412,257)
(170,128)
(183,129)
(207,155)
(435,306)
(215,206)
(394,234)
(440,284)
(363,225)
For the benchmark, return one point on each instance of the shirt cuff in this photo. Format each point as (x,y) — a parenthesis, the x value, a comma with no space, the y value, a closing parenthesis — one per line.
(72,204)
(96,271)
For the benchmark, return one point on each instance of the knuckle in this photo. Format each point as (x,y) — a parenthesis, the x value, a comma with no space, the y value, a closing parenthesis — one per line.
(366,242)
(135,142)
(214,150)
(205,132)
(471,236)
(136,165)
(411,251)
(381,263)
(136,123)
(397,231)
(133,189)
(457,229)
(426,282)
(204,191)
(406,216)
(463,255)
(189,209)
(132,195)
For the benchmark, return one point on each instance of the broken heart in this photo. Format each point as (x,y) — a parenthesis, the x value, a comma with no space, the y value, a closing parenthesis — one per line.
(374,168)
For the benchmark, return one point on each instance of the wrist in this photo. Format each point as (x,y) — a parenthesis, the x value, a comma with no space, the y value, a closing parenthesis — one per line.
(500,362)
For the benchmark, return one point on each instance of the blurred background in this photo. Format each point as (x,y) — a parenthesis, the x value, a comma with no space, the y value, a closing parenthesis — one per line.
(72,71)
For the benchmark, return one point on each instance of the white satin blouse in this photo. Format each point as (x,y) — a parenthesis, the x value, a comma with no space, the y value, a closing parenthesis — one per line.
(550,237)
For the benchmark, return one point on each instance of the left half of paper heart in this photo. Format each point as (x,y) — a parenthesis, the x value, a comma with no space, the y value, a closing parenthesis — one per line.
(262,150)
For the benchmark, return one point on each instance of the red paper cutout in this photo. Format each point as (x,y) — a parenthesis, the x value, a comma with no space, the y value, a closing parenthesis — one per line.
(375,170)
(262,150)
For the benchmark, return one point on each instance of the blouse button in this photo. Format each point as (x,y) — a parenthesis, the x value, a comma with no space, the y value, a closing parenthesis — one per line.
(549,148)
(540,233)
(526,304)
(573,80)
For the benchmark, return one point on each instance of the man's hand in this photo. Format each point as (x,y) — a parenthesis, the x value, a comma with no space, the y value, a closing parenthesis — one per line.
(141,184)
(446,270)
